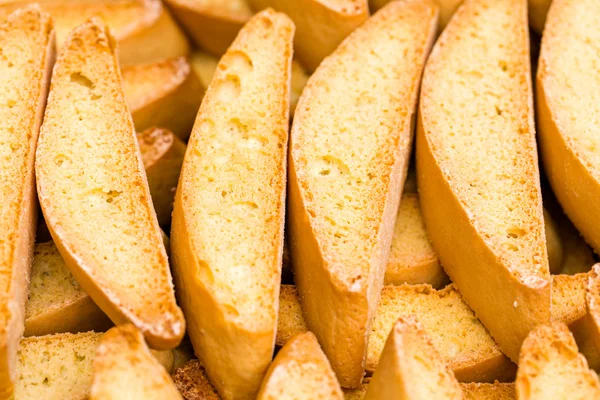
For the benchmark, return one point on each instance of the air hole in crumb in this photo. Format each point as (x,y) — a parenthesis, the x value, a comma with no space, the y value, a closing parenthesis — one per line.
(223,193)
(80,79)
(515,232)
(329,166)
(228,89)
(60,159)
(239,62)
(112,195)
(498,110)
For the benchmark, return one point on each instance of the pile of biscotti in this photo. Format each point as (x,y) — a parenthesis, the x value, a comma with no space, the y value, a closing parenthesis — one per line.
(299,199)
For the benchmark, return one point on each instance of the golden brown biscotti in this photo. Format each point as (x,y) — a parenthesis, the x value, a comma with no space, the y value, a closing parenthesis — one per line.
(447,9)
(321,24)
(300,371)
(213,24)
(124,368)
(166,94)
(538,10)
(59,367)
(412,259)
(56,302)
(350,143)
(551,367)
(227,229)
(488,391)
(162,155)
(94,194)
(192,382)
(27,49)
(477,167)
(410,367)
(567,88)
(145,30)
(466,346)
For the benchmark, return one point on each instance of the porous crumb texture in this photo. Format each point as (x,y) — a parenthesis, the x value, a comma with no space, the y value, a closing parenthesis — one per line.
(348,139)
(94,193)
(24,46)
(145,83)
(290,321)
(410,365)
(124,368)
(233,178)
(482,136)
(550,367)
(52,286)
(56,367)
(488,391)
(300,371)
(123,16)
(568,298)
(463,344)
(192,382)
(359,392)
(412,259)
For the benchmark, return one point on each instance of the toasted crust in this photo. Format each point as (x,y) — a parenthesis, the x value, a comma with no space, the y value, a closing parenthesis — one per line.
(227,231)
(478,173)
(56,302)
(162,155)
(192,382)
(213,24)
(99,212)
(412,259)
(145,30)
(467,347)
(551,367)
(342,206)
(447,9)
(27,47)
(166,94)
(321,24)
(568,131)
(124,368)
(488,391)
(300,370)
(410,367)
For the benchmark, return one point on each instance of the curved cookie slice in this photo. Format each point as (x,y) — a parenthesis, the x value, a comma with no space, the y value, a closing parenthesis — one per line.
(124,368)
(94,193)
(550,367)
(350,143)
(477,168)
(27,55)
(568,88)
(410,367)
(300,371)
(227,230)
(213,24)
(144,29)
(447,9)
(321,24)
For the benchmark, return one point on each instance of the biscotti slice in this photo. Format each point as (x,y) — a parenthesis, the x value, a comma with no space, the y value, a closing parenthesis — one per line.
(466,346)
(162,155)
(300,371)
(213,24)
(412,259)
(166,94)
(410,367)
(94,193)
(321,24)
(551,367)
(56,302)
(350,144)
(192,382)
(124,368)
(567,86)
(227,229)
(488,391)
(538,10)
(477,168)
(27,49)
(145,30)
(447,9)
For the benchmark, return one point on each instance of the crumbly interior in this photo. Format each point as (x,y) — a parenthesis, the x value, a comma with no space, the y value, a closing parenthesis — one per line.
(483,133)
